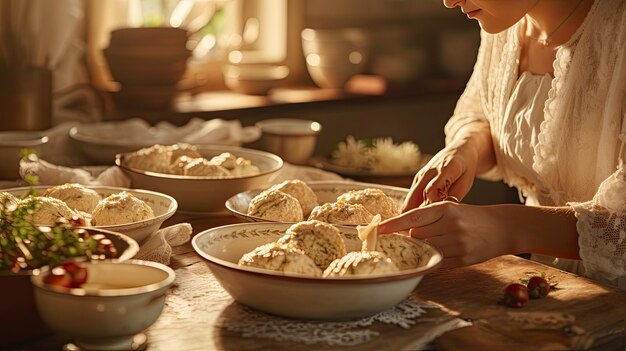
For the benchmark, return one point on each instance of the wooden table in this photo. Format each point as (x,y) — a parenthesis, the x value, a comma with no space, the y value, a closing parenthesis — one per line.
(472,292)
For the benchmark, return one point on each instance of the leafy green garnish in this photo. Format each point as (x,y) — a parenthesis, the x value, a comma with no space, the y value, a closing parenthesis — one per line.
(24,245)
(550,279)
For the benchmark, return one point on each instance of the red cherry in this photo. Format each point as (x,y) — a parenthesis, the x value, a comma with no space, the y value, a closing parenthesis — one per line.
(58,277)
(538,287)
(77,273)
(79,278)
(515,295)
(71,266)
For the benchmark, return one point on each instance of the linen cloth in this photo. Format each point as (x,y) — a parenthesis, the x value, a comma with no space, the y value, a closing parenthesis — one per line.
(578,143)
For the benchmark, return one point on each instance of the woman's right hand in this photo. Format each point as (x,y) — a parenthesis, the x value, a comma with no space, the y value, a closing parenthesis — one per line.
(450,172)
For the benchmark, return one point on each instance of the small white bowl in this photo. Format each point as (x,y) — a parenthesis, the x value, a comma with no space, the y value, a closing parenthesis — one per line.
(205,194)
(331,71)
(11,144)
(355,37)
(17,288)
(163,206)
(290,138)
(99,143)
(300,296)
(118,301)
(327,191)
(253,79)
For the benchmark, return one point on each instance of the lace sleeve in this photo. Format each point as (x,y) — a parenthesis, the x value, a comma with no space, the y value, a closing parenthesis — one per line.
(601,227)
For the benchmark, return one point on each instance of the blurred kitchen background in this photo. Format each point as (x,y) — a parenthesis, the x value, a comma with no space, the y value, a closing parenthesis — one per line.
(367,68)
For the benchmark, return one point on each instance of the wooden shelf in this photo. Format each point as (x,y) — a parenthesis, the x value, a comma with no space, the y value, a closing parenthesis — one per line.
(229,104)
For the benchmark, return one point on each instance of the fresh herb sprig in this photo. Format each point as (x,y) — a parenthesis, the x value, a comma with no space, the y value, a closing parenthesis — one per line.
(24,245)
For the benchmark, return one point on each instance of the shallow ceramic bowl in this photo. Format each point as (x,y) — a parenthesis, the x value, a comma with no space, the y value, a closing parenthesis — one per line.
(334,40)
(253,79)
(118,301)
(163,206)
(333,71)
(19,302)
(206,194)
(399,179)
(300,296)
(326,190)
(101,142)
(292,139)
(11,143)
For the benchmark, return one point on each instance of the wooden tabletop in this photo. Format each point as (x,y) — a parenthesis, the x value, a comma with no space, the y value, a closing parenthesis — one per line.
(580,314)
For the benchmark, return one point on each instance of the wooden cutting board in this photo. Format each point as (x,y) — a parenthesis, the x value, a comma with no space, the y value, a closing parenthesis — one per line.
(580,314)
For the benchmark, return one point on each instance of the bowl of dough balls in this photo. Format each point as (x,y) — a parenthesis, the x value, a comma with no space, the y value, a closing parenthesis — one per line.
(136,213)
(200,177)
(336,202)
(313,269)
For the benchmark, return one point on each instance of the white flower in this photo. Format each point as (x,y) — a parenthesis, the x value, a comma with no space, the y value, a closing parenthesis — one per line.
(352,153)
(391,158)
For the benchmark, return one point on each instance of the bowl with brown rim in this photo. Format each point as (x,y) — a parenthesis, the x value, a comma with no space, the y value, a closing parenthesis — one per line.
(301,296)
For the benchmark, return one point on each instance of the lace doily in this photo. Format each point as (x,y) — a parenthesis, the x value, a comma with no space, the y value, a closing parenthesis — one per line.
(210,298)
(251,323)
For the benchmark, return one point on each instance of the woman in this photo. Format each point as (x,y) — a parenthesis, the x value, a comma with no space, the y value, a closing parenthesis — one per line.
(544,110)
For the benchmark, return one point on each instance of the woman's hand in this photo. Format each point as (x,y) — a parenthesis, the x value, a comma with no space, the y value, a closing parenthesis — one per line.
(465,234)
(450,172)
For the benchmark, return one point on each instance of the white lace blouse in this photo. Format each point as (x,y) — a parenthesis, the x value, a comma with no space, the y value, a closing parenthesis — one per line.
(572,153)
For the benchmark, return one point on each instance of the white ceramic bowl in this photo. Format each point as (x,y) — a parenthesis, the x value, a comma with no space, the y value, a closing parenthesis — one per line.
(163,206)
(301,296)
(326,191)
(118,301)
(333,56)
(334,40)
(11,143)
(253,79)
(332,71)
(100,143)
(290,138)
(16,287)
(206,194)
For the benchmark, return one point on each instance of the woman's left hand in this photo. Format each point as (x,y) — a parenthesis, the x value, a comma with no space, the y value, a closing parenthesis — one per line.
(466,234)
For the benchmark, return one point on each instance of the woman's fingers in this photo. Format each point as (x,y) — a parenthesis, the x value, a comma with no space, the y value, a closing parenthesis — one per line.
(438,188)
(414,199)
(461,187)
(417,217)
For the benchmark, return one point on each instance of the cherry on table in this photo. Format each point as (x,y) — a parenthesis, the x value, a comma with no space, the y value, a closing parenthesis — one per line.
(515,295)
